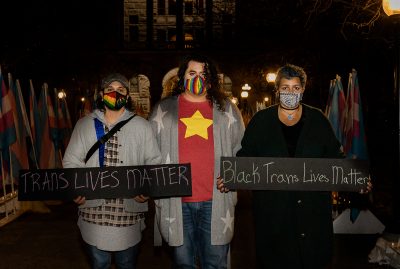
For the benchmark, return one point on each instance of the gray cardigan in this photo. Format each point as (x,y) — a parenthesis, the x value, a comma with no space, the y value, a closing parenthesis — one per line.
(228,130)
(139,147)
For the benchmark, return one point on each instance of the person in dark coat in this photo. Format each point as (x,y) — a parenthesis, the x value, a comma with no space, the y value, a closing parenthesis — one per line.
(293,228)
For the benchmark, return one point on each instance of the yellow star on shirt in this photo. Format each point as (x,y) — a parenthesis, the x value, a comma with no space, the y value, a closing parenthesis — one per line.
(197,125)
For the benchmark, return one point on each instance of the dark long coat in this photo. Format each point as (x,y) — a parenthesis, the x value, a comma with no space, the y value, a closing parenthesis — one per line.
(293,228)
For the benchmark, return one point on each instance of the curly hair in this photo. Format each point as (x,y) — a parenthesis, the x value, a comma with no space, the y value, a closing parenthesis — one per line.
(214,89)
(290,71)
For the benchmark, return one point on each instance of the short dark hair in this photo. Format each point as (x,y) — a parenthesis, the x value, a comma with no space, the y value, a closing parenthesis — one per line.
(214,91)
(290,71)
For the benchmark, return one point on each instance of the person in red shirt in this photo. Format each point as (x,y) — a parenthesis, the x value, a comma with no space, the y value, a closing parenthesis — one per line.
(198,125)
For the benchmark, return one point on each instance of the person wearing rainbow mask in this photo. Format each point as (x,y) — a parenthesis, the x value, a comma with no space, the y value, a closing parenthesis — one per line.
(197,125)
(112,226)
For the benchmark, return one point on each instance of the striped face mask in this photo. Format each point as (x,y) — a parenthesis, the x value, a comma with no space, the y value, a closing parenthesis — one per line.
(195,85)
(290,100)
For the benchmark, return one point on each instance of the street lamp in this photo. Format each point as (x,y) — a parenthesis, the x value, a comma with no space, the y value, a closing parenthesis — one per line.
(271,77)
(391,7)
(246,87)
(61,94)
(266,99)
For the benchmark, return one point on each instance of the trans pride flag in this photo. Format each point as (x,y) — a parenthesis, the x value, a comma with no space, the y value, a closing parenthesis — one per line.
(7,129)
(18,150)
(355,144)
(47,122)
(336,108)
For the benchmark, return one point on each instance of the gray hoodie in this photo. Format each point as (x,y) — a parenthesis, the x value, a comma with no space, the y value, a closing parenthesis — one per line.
(138,147)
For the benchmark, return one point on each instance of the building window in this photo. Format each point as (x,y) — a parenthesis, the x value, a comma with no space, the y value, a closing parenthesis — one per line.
(133,19)
(200,7)
(171,7)
(161,7)
(227,18)
(172,34)
(133,33)
(189,8)
(199,35)
(161,35)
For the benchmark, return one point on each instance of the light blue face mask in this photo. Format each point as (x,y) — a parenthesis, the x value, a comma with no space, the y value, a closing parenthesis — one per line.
(290,100)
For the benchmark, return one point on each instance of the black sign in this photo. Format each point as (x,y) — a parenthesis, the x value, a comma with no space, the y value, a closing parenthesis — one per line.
(303,174)
(110,182)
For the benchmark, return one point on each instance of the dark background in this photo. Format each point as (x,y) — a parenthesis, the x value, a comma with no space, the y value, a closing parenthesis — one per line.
(72,44)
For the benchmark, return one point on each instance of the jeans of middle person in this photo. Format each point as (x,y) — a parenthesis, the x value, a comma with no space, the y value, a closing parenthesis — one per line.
(124,259)
(197,239)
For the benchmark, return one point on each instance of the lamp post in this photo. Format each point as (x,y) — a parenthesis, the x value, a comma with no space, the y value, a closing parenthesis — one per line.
(61,94)
(266,100)
(245,109)
(245,94)
(271,77)
(246,87)
(392,9)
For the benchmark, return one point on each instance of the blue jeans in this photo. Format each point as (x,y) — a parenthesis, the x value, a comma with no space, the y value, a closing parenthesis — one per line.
(197,239)
(124,259)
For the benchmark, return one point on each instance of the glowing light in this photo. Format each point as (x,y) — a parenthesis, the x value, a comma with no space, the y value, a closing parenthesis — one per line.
(391,7)
(271,77)
(61,94)
(244,94)
(246,87)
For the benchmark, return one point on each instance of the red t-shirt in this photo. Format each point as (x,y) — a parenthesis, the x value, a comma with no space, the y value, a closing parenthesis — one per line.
(196,146)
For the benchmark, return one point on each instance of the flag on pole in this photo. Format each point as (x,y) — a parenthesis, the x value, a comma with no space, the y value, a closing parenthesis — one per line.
(67,119)
(7,129)
(355,145)
(18,150)
(34,120)
(46,148)
(330,93)
(337,108)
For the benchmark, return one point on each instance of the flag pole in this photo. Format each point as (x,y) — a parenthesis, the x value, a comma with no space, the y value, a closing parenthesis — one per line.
(9,151)
(31,136)
(12,181)
(4,185)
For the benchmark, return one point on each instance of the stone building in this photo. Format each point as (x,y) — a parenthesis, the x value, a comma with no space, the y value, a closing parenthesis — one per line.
(177,23)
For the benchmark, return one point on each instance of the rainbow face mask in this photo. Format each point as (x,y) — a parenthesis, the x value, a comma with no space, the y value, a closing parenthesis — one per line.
(114,100)
(195,85)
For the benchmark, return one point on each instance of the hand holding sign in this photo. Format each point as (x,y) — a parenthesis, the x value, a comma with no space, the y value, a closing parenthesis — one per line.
(220,185)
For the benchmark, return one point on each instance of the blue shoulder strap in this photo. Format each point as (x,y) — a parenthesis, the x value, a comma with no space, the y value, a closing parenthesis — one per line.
(100,132)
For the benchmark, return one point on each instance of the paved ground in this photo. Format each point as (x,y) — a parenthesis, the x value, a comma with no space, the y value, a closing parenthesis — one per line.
(52,240)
